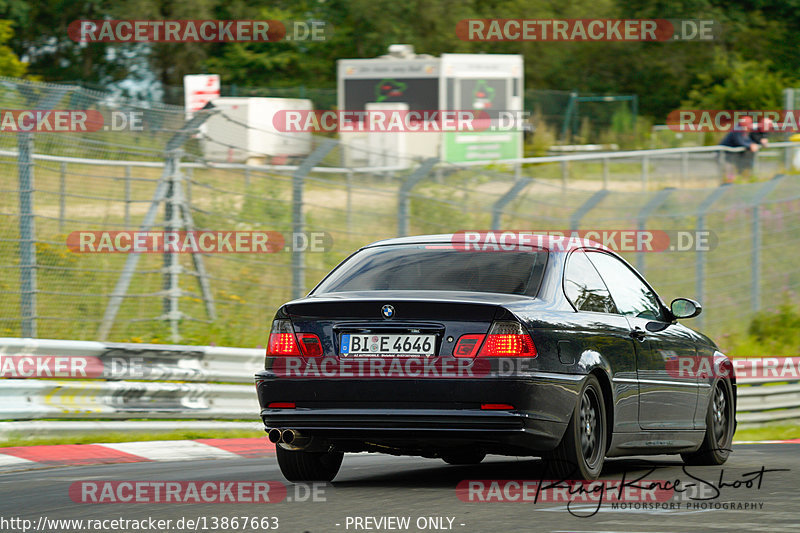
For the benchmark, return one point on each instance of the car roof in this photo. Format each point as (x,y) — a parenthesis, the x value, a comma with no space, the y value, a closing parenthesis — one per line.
(487,239)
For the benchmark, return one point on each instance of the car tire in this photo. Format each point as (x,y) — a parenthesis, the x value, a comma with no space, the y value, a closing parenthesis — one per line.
(581,452)
(720,423)
(463,457)
(298,465)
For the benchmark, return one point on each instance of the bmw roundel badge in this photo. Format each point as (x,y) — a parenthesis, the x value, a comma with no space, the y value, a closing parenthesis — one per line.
(387,311)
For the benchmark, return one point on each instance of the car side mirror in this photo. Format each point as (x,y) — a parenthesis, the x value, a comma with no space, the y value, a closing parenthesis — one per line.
(685,308)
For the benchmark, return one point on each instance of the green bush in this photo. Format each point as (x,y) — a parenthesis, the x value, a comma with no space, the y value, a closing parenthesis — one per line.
(543,137)
(781,328)
(771,334)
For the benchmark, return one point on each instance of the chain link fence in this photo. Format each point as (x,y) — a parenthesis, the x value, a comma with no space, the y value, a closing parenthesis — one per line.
(55,184)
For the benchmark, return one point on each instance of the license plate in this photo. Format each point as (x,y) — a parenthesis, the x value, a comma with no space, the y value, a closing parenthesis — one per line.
(373,345)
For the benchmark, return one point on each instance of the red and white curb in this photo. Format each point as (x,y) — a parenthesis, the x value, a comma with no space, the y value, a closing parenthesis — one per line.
(32,457)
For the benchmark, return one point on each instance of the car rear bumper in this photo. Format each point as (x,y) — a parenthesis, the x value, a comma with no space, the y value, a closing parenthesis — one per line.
(424,414)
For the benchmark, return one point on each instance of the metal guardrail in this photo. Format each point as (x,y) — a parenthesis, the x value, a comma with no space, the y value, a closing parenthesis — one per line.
(124,381)
(204,383)
(770,390)
(149,362)
(98,399)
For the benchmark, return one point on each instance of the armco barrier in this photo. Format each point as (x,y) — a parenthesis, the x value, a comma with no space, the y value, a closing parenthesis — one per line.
(768,391)
(22,399)
(151,362)
(152,382)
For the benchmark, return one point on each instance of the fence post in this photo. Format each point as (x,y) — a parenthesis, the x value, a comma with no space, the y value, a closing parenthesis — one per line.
(187,183)
(605,173)
(654,203)
(788,105)
(415,177)
(787,158)
(684,166)
(721,164)
(179,217)
(349,183)
(27,232)
(700,265)
(172,267)
(298,223)
(755,273)
(124,281)
(127,189)
(27,245)
(497,208)
(645,169)
(62,191)
(588,205)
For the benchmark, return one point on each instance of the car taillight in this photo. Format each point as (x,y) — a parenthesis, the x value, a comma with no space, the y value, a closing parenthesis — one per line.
(282,344)
(281,405)
(467,345)
(507,339)
(497,407)
(310,345)
(283,341)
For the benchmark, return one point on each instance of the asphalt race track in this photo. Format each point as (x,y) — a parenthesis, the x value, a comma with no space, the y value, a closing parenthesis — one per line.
(378,487)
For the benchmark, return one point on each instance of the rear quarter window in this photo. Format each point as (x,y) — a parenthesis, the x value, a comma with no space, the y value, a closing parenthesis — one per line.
(584,287)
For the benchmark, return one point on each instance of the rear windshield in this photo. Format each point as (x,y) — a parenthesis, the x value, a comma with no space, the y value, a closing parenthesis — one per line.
(438,268)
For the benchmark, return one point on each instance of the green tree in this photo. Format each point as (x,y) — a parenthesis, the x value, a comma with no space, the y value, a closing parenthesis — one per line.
(171,61)
(42,40)
(10,65)
(663,74)
(734,83)
(360,28)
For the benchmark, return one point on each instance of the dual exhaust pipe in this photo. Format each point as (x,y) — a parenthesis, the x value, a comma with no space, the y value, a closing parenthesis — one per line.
(287,436)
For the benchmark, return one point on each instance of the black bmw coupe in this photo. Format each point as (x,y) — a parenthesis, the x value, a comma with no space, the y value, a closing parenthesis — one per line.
(436,347)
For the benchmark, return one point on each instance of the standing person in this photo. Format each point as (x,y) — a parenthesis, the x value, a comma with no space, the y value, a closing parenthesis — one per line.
(737,162)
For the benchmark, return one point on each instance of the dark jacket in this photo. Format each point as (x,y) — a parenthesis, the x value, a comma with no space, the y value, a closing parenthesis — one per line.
(736,138)
(757,135)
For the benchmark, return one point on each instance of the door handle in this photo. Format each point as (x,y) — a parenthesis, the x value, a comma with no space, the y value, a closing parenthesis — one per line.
(637,333)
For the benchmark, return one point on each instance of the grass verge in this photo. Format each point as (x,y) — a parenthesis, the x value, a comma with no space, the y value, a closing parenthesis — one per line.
(781,431)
